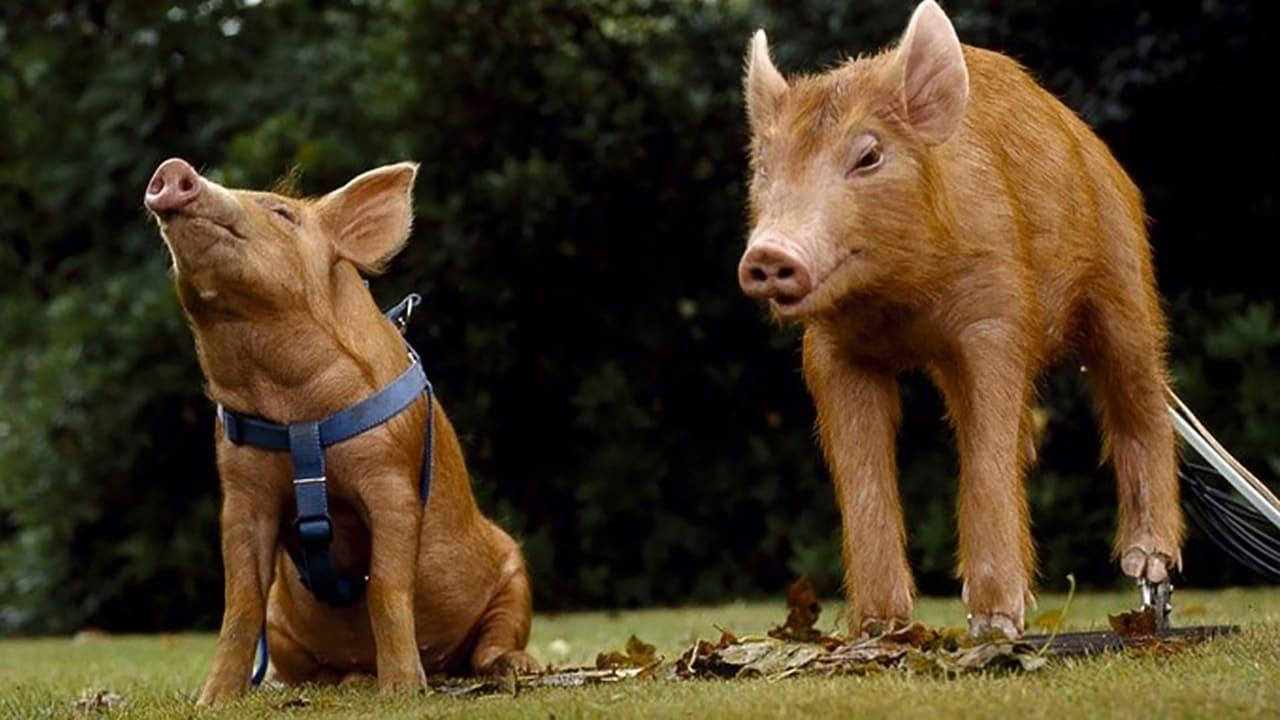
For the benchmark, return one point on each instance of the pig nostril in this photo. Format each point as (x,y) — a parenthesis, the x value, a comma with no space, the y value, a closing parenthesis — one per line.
(758,275)
(185,185)
(156,186)
(785,273)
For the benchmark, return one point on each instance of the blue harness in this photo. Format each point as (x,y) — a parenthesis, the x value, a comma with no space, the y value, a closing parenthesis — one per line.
(305,442)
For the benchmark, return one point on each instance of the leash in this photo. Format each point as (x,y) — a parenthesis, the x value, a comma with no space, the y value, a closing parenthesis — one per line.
(1247,530)
(306,442)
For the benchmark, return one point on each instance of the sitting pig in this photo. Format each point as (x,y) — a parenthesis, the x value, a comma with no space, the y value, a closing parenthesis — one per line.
(931,207)
(286,330)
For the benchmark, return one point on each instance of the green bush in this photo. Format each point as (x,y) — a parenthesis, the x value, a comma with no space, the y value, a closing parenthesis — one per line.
(580,212)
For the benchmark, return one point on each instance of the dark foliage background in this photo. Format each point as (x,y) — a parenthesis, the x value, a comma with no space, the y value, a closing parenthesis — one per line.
(626,412)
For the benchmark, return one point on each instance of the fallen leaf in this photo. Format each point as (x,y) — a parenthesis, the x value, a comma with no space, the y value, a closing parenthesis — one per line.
(726,638)
(1135,623)
(1048,620)
(802,613)
(868,652)
(581,677)
(740,655)
(916,635)
(93,701)
(639,654)
(1031,662)
(87,635)
(786,658)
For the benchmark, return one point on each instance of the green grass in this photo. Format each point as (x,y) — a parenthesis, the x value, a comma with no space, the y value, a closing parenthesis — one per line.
(1238,677)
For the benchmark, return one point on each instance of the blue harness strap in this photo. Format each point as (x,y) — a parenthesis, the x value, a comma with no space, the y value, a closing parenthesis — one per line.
(306,441)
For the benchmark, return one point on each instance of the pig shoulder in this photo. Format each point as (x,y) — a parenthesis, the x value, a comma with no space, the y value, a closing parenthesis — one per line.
(1030,181)
(1026,147)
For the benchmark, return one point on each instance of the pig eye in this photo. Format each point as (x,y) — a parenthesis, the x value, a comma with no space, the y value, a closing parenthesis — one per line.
(285,213)
(868,157)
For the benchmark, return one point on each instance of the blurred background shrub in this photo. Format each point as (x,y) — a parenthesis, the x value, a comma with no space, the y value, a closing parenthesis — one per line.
(634,420)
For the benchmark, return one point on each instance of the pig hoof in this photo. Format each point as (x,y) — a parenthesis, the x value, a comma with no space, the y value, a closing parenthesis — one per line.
(875,627)
(411,680)
(1142,564)
(994,625)
(357,679)
(517,661)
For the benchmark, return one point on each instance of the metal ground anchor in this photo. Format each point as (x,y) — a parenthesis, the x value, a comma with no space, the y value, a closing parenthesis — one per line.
(1158,597)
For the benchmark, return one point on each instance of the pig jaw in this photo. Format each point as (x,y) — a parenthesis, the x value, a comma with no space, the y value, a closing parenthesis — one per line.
(231,259)
(205,232)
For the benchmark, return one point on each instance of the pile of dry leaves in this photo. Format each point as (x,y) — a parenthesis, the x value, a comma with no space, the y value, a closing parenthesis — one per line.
(798,647)
(795,647)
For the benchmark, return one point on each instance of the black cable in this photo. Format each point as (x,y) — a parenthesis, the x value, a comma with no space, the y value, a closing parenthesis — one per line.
(1238,529)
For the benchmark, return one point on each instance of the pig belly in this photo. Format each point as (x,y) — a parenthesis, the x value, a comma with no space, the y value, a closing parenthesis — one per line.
(1060,316)
(309,640)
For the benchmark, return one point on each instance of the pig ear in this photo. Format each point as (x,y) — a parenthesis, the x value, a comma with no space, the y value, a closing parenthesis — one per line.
(762,84)
(370,216)
(934,82)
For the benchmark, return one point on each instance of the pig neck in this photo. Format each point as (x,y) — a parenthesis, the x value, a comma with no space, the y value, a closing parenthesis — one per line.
(304,363)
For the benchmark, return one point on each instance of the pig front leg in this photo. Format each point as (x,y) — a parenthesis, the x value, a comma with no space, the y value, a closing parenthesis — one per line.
(250,530)
(858,413)
(986,386)
(395,513)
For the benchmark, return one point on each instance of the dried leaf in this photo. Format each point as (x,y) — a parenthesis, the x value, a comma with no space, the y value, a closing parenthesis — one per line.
(741,655)
(93,701)
(582,677)
(981,656)
(783,658)
(461,687)
(916,635)
(1031,662)
(639,654)
(1135,623)
(726,638)
(1048,620)
(88,634)
(802,613)
(294,703)
(868,652)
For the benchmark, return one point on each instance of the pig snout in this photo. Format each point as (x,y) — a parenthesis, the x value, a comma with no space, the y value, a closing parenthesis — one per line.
(771,271)
(174,186)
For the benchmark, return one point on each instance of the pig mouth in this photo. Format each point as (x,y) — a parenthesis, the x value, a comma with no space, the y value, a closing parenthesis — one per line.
(788,301)
(205,230)
(197,235)
(224,230)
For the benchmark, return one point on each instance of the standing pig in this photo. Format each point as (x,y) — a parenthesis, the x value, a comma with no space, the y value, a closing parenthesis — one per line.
(286,330)
(931,207)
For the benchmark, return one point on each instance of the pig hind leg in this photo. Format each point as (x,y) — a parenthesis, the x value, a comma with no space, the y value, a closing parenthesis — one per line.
(504,628)
(1124,357)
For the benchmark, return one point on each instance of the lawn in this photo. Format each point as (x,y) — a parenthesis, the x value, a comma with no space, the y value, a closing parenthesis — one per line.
(158,676)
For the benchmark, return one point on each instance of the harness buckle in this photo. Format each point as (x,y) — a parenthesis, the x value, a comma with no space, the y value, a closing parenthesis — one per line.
(403,312)
(314,530)
(231,426)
